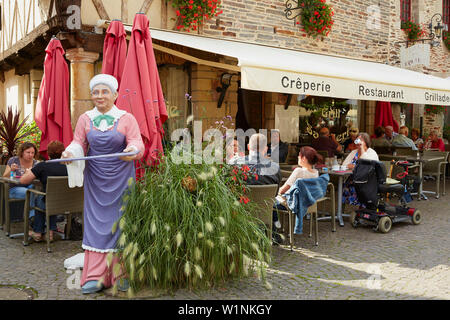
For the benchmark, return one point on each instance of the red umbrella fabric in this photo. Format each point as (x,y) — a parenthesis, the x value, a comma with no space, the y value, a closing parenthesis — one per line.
(114,50)
(52,113)
(383,115)
(140,92)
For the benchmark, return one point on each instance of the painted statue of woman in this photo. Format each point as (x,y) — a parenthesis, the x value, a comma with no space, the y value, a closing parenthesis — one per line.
(103,130)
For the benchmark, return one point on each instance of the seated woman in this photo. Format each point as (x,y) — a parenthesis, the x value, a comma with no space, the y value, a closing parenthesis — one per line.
(19,165)
(41,171)
(307,158)
(363,152)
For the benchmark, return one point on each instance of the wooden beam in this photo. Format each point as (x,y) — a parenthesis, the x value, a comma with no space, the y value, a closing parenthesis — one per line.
(100,9)
(164,14)
(124,12)
(29,15)
(197,60)
(146,5)
(50,9)
(25,68)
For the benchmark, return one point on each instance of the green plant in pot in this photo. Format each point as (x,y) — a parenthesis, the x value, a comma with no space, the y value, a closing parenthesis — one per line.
(190,226)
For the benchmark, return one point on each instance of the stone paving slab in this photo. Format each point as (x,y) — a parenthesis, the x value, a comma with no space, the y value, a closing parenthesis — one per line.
(409,262)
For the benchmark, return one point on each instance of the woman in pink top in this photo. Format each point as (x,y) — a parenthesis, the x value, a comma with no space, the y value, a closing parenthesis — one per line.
(307,158)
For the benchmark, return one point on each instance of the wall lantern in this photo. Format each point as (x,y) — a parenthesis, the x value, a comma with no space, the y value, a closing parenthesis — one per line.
(435,29)
(225,82)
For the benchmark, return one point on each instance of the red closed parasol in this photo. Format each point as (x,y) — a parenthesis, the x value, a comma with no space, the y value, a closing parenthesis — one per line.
(114,50)
(140,92)
(52,113)
(383,116)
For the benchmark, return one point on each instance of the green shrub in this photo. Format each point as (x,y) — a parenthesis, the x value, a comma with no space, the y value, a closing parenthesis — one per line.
(184,227)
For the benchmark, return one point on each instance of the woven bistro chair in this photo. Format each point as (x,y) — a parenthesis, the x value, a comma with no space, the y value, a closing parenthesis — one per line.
(285,175)
(264,196)
(59,200)
(435,168)
(9,206)
(313,212)
(2,170)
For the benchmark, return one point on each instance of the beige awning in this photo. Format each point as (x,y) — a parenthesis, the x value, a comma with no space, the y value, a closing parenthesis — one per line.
(272,69)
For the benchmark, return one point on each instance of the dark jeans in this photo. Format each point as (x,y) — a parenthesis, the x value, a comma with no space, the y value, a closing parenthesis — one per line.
(279,206)
(39,217)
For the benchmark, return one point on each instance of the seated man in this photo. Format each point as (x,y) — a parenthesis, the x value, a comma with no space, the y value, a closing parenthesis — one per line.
(402,140)
(41,171)
(389,133)
(349,144)
(380,139)
(326,142)
(268,171)
(278,149)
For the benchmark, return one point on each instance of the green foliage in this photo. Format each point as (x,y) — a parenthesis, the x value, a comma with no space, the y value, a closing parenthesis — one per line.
(34,135)
(184,226)
(446,132)
(316,17)
(433,109)
(11,130)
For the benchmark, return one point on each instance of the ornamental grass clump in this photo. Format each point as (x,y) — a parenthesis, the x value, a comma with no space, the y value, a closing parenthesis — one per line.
(183,231)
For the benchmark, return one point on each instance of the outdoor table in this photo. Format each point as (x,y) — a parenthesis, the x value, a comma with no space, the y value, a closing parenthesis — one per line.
(3,203)
(421,160)
(341,175)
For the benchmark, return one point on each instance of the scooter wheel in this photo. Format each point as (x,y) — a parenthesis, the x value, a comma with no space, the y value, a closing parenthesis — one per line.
(417,217)
(384,224)
(353,220)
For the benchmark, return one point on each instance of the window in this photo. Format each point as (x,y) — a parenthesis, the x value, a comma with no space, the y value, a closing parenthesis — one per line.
(446,11)
(405,10)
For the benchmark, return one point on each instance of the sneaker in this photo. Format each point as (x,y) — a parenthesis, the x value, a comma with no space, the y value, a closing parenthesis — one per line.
(276,239)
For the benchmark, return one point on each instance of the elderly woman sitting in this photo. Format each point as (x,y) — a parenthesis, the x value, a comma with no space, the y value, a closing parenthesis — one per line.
(362,152)
(41,171)
(21,164)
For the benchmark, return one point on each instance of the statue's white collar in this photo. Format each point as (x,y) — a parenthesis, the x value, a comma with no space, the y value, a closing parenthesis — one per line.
(114,112)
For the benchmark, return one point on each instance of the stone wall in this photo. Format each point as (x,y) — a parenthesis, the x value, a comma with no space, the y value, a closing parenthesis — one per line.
(355,34)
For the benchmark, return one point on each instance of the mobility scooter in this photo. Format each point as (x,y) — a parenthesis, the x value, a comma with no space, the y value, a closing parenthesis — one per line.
(369,178)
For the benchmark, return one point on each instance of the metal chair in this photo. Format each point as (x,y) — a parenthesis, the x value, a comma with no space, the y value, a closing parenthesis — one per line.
(313,211)
(435,168)
(264,196)
(59,200)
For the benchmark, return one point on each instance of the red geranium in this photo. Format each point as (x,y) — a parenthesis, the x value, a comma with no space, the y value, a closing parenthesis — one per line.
(192,13)
(316,17)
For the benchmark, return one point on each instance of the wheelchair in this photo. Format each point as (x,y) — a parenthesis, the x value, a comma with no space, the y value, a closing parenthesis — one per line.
(369,178)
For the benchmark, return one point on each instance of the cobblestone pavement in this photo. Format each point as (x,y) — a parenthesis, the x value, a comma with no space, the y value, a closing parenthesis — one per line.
(410,262)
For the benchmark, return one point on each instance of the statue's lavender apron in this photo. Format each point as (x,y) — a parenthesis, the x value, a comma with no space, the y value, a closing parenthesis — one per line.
(105,181)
